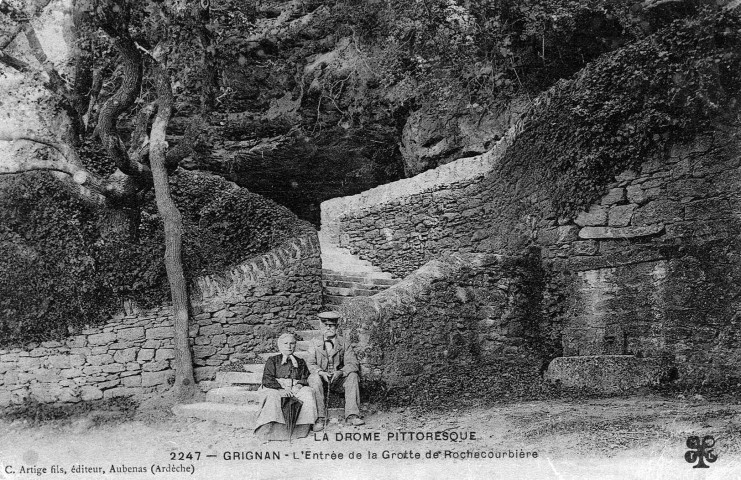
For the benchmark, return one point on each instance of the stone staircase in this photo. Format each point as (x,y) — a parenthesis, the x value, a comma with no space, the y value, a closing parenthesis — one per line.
(233,398)
(345,276)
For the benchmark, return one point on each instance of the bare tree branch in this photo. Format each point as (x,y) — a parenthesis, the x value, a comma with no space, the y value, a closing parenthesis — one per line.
(56,82)
(14,63)
(8,37)
(70,164)
(23,67)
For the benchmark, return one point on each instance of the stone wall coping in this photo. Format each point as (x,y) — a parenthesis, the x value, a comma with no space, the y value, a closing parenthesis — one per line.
(253,269)
(463,170)
(413,285)
(132,353)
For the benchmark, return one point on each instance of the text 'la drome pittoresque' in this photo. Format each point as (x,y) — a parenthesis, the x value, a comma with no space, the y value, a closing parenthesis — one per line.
(396,436)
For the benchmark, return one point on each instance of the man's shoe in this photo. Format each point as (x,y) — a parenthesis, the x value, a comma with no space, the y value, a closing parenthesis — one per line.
(354,420)
(318,425)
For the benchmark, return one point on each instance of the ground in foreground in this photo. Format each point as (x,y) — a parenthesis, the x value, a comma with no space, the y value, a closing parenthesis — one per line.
(628,437)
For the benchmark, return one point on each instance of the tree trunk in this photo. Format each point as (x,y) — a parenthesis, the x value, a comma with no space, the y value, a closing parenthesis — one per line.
(184,380)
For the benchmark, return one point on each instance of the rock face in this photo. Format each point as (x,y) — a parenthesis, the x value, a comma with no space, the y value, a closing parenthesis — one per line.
(438,134)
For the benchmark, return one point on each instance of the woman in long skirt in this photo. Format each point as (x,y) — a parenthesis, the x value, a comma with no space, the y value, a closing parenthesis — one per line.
(285,375)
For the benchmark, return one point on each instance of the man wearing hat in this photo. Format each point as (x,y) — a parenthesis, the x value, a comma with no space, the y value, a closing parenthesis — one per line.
(332,362)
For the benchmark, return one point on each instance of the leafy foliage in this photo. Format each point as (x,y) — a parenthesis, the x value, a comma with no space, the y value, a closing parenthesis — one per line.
(484,49)
(634,103)
(58,273)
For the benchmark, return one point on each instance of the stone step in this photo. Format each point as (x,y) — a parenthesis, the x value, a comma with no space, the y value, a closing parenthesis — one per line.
(368,285)
(301,354)
(233,395)
(340,262)
(339,284)
(344,292)
(303,345)
(206,385)
(309,334)
(359,277)
(385,282)
(254,368)
(238,378)
(335,300)
(243,416)
(362,292)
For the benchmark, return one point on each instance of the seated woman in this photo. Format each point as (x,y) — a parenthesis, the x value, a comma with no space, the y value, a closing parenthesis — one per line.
(285,375)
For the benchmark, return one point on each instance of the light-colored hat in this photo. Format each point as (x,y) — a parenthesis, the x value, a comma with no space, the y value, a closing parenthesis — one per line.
(329,318)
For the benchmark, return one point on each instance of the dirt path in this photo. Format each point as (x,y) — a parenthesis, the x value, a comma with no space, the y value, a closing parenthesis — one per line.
(608,438)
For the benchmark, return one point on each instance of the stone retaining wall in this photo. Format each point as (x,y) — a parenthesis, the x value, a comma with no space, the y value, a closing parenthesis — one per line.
(657,264)
(651,269)
(455,310)
(236,313)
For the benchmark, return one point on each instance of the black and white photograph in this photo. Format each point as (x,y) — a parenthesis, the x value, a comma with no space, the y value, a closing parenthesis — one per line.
(370,239)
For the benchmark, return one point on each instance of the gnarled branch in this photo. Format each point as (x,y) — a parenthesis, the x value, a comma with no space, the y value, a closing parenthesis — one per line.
(69,164)
(121,101)
(8,37)
(15,63)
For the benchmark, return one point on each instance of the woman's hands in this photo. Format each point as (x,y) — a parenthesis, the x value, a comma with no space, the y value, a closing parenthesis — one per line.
(291,391)
(288,388)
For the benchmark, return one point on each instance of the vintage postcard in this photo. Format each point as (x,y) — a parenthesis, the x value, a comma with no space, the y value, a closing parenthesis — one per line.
(370,239)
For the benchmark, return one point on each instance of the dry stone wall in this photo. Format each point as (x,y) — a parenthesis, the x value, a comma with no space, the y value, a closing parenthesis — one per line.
(455,310)
(236,313)
(656,263)
(650,269)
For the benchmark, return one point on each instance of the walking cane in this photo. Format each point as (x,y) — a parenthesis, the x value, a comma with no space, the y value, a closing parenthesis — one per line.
(326,397)
(326,405)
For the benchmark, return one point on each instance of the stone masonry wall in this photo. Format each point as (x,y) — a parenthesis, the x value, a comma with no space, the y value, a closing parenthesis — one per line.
(456,310)
(653,267)
(237,312)
(656,263)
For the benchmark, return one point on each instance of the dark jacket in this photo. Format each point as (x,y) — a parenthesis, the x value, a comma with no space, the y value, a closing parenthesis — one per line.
(274,369)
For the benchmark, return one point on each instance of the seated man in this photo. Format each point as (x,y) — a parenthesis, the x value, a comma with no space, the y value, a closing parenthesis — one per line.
(285,375)
(333,362)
